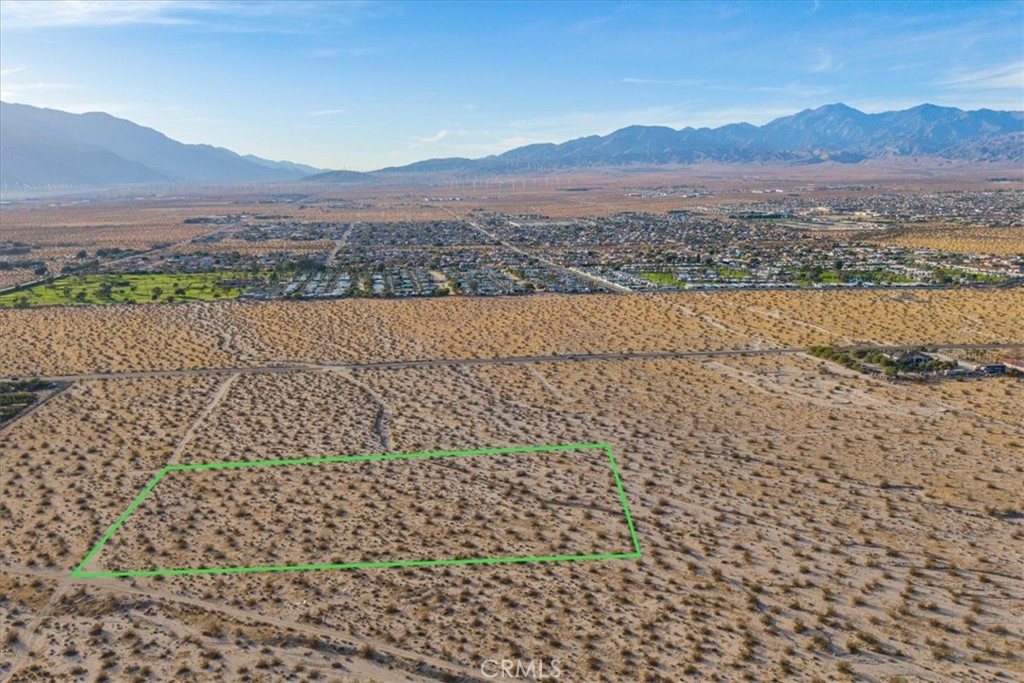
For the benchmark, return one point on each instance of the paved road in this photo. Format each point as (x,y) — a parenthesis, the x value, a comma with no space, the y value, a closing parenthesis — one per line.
(505,360)
(341,243)
(600,282)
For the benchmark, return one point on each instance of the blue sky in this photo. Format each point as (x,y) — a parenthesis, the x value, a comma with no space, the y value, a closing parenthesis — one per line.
(362,85)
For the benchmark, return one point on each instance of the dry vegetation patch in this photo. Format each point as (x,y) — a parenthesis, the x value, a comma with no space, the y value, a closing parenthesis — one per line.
(796,519)
(260,248)
(62,340)
(508,505)
(288,415)
(964,239)
(953,316)
(68,464)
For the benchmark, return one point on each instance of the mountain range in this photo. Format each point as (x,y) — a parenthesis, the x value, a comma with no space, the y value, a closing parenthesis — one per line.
(45,147)
(833,132)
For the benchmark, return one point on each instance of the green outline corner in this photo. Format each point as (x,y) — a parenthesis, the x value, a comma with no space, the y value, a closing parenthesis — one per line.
(80,573)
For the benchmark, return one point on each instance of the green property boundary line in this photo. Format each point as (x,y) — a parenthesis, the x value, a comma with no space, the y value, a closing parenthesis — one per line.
(80,573)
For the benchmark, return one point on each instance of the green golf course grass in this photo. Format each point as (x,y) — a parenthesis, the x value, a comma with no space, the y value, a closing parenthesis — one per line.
(135,289)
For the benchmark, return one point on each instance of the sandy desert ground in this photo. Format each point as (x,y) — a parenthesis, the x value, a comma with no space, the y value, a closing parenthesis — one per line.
(82,340)
(1001,241)
(797,520)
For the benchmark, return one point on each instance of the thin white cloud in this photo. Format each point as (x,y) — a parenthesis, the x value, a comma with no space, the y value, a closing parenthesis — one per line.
(824,62)
(436,137)
(327,53)
(233,16)
(792,90)
(52,13)
(43,86)
(587,26)
(327,112)
(658,81)
(729,11)
(1003,77)
(5,73)
(795,89)
(16,91)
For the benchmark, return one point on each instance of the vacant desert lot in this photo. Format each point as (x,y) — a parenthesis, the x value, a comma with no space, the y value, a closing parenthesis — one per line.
(1001,241)
(796,519)
(413,509)
(68,340)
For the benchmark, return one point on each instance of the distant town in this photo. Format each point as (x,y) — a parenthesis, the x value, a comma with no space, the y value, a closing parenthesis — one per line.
(783,241)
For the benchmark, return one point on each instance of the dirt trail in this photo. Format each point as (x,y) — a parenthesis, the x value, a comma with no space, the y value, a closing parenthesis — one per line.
(759,342)
(64,581)
(210,406)
(411,659)
(33,631)
(383,420)
(506,360)
(551,389)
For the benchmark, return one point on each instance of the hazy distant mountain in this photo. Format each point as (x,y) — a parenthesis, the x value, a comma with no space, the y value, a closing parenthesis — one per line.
(285,165)
(1009,147)
(46,147)
(339,177)
(834,132)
